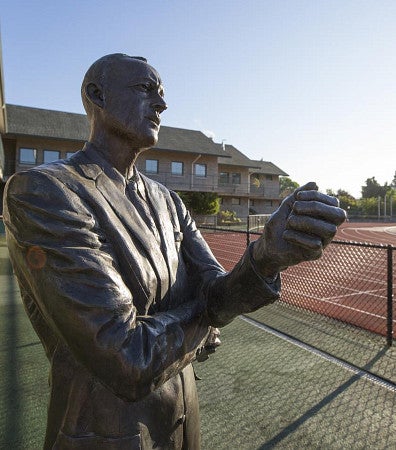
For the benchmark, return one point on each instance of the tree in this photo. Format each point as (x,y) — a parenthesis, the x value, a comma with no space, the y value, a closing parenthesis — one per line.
(347,201)
(374,189)
(393,183)
(368,206)
(201,202)
(286,186)
(229,217)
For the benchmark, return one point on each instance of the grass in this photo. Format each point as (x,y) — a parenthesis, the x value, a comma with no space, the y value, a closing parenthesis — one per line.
(256,392)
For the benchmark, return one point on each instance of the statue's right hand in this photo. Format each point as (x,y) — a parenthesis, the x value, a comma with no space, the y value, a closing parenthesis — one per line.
(299,230)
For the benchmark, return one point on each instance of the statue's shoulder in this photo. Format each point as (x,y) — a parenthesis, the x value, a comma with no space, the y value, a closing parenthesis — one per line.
(44,175)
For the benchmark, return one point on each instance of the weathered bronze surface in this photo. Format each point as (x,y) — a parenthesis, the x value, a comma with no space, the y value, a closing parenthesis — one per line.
(119,284)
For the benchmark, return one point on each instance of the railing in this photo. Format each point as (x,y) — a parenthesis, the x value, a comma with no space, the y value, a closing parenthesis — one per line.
(211,183)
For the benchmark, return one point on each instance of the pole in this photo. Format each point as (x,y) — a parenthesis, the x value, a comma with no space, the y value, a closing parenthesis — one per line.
(248,231)
(389,333)
(379,208)
(385,206)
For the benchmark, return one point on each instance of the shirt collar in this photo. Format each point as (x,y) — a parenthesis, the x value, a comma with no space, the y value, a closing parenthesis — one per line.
(119,180)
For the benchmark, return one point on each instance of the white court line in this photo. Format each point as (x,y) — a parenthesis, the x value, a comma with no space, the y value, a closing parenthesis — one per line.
(326,283)
(376,276)
(320,299)
(341,285)
(326,356)
(356,293)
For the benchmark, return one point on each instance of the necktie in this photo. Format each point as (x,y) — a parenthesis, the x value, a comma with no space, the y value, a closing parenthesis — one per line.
(142,207)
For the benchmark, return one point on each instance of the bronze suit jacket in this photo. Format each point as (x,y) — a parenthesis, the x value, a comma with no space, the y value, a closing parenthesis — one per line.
(120,315)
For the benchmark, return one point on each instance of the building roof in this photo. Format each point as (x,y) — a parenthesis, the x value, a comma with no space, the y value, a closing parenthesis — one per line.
(241,160)
(235,158)
(27,121)
(190,141)
(268,168)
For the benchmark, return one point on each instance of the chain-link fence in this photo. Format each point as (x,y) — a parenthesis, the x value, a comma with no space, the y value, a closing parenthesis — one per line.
(341,303)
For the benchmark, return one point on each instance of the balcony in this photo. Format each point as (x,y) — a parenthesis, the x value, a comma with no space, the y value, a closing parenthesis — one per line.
(185,182)
(211,183)
(270,192)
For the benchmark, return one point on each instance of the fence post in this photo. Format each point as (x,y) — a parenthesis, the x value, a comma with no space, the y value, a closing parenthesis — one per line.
(389,334)
(248,231)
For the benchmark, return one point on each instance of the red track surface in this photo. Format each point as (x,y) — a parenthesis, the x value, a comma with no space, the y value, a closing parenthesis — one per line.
(375,233)
(348,283)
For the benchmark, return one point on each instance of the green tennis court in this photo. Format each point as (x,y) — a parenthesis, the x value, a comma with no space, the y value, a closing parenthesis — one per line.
(258,391)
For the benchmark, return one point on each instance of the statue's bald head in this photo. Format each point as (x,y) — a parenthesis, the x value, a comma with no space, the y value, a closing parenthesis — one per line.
(99,72)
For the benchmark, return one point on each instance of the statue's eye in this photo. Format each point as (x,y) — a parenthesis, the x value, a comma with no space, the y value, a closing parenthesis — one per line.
(145,87)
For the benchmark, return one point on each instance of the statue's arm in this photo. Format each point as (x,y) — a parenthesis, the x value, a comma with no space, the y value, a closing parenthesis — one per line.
(227,294)
(70,272)
(299,230)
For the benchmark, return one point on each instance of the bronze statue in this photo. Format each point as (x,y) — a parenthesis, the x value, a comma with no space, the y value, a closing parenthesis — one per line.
(118,282)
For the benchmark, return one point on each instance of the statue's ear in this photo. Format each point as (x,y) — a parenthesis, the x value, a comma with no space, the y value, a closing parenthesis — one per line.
(95,94)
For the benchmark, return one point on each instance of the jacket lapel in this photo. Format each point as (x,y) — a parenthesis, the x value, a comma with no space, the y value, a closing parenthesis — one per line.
(163,216)
(130,218)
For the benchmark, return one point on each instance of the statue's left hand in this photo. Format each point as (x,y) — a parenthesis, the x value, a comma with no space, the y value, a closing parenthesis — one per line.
(212,342)
(304,224)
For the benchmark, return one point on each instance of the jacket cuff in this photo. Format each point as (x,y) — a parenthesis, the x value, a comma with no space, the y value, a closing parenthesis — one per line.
(240,291)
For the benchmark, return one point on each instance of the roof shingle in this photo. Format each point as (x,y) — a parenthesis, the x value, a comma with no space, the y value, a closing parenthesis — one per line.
(23,120)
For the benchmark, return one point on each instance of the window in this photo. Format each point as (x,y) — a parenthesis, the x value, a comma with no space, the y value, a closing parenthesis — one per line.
(200,170)
(235,201)
(27,155)
(236,178)
(151,165)
(252,202)
(268,177)
(68,154)
(50,155)
(177,168)
(224,177)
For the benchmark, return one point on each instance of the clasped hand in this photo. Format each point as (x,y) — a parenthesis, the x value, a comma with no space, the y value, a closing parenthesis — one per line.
(299,230)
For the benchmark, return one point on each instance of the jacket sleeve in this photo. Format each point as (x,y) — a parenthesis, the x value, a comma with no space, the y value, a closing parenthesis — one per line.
(227,294)
(63,263)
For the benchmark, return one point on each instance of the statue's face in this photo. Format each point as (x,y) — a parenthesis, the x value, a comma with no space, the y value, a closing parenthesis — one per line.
(133,102)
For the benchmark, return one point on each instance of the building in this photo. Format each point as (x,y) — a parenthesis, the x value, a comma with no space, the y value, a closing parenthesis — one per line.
(247,186)
(183,160)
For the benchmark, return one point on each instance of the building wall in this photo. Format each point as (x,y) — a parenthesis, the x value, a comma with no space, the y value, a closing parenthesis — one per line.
(263,206)
(9,146)
(229,183)
(238,204)
(188,181)
(262,185)
(41,145)
(239,197)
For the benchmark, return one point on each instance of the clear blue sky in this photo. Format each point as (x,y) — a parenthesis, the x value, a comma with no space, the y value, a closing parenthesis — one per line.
(308,85)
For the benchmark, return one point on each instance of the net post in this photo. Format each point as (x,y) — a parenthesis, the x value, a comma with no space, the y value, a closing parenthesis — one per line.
(389,333)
